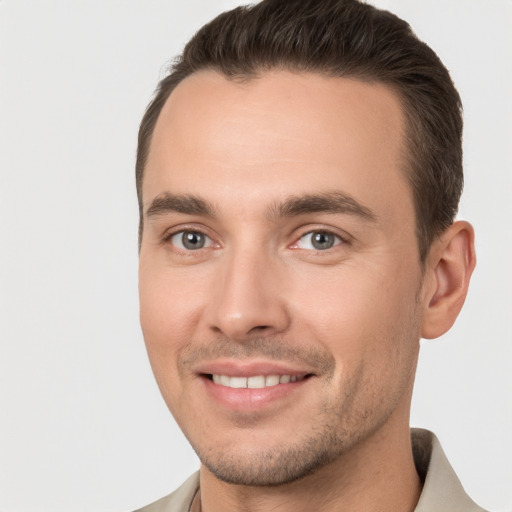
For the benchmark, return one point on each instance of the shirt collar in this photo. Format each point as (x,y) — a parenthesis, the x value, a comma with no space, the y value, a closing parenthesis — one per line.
(442,489)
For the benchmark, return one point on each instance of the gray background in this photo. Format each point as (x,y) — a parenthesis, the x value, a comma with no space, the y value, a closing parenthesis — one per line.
(82,424)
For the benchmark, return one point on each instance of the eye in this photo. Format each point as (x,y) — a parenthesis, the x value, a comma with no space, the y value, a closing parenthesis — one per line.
(318,241)
(190,240)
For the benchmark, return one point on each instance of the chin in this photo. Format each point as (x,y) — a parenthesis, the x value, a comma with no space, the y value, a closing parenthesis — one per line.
(267,470)
(274,466)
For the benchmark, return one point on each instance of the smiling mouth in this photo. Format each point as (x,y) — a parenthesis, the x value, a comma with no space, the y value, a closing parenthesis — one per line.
(255,381)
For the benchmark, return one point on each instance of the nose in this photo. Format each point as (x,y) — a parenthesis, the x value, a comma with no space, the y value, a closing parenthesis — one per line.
(248,300)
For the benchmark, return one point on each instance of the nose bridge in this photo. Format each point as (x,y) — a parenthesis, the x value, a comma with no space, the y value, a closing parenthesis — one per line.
(248,299)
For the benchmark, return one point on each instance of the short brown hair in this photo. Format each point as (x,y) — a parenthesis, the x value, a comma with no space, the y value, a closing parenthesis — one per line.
(339,38)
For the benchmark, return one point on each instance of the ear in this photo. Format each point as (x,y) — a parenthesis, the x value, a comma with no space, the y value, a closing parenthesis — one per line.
(450,264)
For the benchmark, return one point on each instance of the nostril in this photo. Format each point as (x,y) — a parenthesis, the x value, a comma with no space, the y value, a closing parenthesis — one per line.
(260,328)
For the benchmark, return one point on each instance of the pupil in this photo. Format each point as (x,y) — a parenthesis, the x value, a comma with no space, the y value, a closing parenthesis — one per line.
(193,240)
(323,240)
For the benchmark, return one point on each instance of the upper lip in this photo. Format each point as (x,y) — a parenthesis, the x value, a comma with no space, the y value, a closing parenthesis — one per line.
(240,368)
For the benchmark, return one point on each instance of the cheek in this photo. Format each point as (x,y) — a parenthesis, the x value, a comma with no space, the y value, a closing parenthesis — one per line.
(166,321)
(370,325)
(169,305)
(357,310)
(164,334)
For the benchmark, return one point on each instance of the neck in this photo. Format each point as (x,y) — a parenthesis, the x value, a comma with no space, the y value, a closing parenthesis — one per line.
(377,475)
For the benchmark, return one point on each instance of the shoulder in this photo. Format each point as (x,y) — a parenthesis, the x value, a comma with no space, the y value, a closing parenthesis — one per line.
(179,501)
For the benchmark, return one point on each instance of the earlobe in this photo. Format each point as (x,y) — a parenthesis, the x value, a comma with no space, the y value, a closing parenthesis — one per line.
(451,262)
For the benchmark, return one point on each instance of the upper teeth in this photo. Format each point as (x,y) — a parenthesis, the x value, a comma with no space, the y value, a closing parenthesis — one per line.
(255,382)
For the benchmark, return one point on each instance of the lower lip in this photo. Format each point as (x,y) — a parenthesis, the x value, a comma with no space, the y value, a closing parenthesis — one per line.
(249,399)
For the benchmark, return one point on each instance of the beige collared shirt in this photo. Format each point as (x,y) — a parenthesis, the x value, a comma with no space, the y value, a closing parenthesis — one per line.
(442,490)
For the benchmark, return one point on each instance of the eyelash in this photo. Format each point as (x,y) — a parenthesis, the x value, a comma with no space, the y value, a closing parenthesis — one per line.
(167,238)
(339,240)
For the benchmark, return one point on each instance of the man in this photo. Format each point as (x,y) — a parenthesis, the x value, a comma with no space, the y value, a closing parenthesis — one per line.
(298,175)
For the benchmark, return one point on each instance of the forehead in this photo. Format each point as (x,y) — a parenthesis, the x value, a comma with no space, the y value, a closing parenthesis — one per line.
(281,133)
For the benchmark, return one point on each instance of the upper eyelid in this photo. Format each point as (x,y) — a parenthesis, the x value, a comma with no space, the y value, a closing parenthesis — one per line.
(342,235)
(170,232)
(166,240)
(342,241)
(321,230)
(209,241)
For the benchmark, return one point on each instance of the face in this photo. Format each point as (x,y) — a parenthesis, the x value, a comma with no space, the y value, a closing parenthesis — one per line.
(280,283)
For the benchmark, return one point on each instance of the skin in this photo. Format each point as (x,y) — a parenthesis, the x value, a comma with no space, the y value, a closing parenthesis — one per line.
(259,292)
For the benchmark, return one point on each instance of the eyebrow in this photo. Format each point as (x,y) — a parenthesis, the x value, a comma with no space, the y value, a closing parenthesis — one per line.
(185,204)
(329,202)
(294,206)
